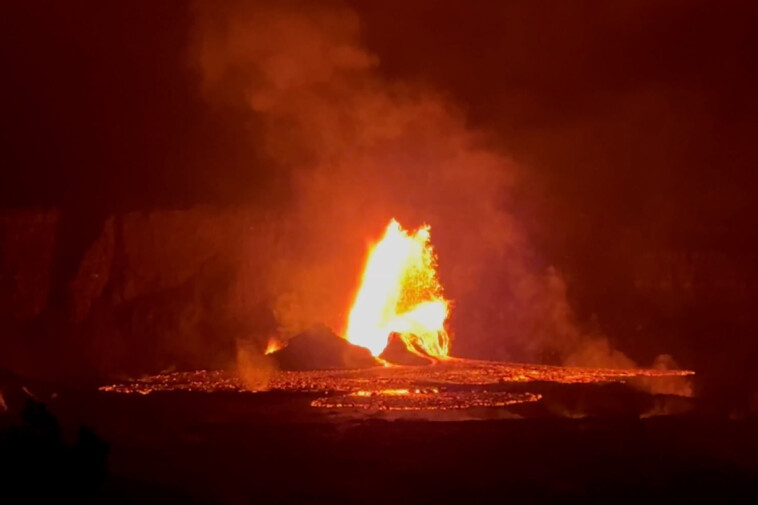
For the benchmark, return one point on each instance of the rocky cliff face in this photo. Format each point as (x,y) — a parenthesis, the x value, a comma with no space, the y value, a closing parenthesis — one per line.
(27,246)
(150,290)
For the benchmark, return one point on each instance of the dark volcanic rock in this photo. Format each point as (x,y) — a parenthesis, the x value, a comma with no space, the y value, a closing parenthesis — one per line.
(91,297)
(398,354)
(39,465)
(14,392)
(319,349)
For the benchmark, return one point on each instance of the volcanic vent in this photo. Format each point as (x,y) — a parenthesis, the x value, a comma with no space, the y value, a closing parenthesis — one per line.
(400,294)
(396,323)
(397,317)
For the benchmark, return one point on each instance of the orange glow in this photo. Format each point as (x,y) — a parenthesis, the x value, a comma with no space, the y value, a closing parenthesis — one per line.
(400,293)
(273,346)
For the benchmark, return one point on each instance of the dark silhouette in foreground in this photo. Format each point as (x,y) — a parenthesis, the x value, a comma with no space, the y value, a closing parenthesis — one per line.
(38,466)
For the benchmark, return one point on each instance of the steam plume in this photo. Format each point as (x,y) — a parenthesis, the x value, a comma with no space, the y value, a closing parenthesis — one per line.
(358,150)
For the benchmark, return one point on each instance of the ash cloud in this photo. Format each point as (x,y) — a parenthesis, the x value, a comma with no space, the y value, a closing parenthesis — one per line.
(359,149)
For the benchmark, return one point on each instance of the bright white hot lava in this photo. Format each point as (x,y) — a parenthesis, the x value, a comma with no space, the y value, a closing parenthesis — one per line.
(400,293)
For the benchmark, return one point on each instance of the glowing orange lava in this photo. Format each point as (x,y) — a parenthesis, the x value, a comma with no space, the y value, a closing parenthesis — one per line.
(400,293)
(273,345)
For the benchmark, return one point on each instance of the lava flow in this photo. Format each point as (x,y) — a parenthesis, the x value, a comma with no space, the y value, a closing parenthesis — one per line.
(400,293)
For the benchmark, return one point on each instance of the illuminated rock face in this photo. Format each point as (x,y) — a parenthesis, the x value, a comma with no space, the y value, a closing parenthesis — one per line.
(320,349)
(138,292)
(27,249)
(397,353)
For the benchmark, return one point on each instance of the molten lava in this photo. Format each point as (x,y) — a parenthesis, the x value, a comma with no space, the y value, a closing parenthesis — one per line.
(400,293)
(273,345)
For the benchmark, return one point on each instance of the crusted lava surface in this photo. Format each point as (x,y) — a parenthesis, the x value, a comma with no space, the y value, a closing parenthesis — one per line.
(455,431)
(449,384)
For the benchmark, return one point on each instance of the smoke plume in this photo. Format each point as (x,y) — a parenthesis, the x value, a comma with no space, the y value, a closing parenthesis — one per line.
(359,149)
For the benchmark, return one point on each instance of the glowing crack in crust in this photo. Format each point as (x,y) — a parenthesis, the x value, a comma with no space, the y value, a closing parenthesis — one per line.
(423,399)
(450,384)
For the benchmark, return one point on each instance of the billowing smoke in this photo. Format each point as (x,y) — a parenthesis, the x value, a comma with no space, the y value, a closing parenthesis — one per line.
(359,149)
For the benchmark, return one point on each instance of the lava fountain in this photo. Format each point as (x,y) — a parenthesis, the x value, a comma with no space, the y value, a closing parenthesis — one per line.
(400,293)
(273,345)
